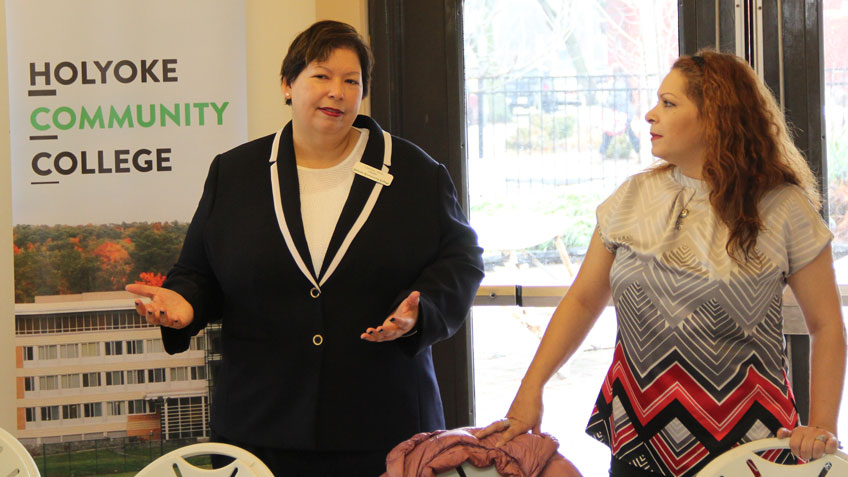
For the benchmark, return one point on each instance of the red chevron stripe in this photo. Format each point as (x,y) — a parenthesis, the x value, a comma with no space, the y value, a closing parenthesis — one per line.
(675,384)
(621,437)
(682,463)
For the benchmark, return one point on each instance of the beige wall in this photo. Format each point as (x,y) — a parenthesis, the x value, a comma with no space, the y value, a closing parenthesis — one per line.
(8,412)
(270,27)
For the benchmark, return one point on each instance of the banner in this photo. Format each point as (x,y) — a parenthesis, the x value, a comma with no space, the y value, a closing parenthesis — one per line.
(116,110)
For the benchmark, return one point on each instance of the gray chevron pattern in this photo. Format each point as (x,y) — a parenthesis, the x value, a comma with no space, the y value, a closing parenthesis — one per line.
(709,339)
(756,432)
(689,312)
(680,298)
(678,437)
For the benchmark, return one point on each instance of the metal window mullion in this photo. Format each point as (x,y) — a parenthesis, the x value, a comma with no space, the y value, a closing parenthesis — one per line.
(757,47)
(739,23)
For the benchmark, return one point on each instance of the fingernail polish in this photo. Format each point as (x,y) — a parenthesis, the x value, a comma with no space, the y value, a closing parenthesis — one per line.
(161,312)
(370,332)
(149,312)
(392,319)
(379,331)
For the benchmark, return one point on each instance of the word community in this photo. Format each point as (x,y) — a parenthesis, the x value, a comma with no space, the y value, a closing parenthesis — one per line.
(130,116)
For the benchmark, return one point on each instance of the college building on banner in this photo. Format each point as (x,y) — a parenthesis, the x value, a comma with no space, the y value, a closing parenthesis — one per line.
(88,367)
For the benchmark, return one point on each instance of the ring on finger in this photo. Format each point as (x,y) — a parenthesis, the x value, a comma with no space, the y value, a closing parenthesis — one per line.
(505,422)
(822,438)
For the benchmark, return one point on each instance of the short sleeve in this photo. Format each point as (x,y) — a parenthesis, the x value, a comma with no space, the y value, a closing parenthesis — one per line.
(606,212)
(804,231)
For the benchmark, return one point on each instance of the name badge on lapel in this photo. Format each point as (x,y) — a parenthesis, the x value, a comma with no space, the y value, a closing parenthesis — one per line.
(373,174)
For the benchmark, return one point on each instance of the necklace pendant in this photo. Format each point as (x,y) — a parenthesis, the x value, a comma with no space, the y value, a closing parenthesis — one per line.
(682,215)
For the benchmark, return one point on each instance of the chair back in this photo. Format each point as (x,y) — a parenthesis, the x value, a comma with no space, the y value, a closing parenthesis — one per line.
(743,461)
(468,470)
(174,463)
(15,460)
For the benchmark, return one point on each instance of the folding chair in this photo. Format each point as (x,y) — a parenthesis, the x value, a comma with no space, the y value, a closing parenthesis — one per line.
(742,461)
(15,460)
(174,463)
(468,470)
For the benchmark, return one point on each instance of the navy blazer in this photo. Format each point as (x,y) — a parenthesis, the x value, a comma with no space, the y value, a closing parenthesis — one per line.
(295,373)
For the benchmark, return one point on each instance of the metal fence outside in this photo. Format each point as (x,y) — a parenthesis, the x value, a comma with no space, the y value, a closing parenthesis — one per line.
(121,456)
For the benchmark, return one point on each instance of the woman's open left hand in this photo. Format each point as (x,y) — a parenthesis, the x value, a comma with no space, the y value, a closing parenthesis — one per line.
(399,322)
(808,442)
(165,308)
(524,415)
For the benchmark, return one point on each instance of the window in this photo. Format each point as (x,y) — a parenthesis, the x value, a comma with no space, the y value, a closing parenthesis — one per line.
(184,417)
(179,374)
(137,406)
(114,378)
(135,347)
(116,408)
(70,381)
(548,137)
(67,351)
(50,413)
(71,411)
(48,383)
(90,349)
(198,372)
(198,343)
(135,376)
(155,346)
(90,380)
(30,414)
(28,353)
(156,375)
(29,383)
(93,409)
(114,348)
(47,352)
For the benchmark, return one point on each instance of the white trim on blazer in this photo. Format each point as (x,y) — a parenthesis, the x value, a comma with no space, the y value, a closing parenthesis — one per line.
(360,221)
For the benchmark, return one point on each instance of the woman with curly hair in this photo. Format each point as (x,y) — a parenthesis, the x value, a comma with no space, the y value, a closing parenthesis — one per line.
(696,253)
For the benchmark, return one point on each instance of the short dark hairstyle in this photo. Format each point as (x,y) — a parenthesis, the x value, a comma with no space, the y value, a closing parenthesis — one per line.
(317,43)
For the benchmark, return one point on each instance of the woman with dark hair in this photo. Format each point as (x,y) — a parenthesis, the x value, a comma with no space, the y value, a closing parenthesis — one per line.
(696,253)
(335,255)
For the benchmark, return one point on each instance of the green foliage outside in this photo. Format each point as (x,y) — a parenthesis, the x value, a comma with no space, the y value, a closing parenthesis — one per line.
(619,147)
(64,259)
(105,457)
(837,178)
(573,212)
(544,133)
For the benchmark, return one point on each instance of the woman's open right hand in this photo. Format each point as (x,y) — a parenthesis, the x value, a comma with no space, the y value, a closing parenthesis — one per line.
(166,307)
(525,414)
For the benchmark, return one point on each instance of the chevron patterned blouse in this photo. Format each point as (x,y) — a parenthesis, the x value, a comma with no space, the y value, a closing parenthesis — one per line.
(698,364)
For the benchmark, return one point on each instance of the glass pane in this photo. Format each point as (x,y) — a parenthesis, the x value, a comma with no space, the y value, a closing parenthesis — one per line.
(835,42)
(836,122)
(556,93)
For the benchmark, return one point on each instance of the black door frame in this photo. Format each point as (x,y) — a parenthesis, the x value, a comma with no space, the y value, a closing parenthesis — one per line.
(417,93)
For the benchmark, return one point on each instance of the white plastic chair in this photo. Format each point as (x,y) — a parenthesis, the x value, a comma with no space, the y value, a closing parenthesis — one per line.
(742,461)
(15,460)
(471,471)
(174,463)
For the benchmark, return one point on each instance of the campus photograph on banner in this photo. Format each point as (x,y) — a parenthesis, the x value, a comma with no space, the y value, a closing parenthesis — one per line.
(117,109)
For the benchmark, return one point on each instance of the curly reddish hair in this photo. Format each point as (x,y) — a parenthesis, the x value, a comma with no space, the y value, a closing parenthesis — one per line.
(749,150)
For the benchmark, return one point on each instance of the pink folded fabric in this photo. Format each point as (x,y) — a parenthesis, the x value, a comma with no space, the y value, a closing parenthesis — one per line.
(428,453)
